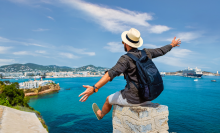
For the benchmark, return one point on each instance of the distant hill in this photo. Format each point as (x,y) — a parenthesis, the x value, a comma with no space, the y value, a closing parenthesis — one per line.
(91,68)
(32,67)
(35,67)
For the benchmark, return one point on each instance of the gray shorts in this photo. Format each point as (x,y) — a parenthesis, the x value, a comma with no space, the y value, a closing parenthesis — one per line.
(117,98)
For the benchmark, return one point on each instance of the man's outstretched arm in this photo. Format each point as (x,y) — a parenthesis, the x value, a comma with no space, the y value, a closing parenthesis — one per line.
(90,90)
(163,50)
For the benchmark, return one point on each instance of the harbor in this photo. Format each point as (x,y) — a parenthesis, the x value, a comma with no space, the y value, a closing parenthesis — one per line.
(190,72)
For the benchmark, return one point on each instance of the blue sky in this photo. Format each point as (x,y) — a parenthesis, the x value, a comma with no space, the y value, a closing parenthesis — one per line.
(75,33)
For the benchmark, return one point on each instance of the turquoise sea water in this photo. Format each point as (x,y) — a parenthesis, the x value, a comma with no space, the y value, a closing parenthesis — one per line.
(193,106)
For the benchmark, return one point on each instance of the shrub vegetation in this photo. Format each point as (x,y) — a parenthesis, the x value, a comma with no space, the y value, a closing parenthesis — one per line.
(12,96)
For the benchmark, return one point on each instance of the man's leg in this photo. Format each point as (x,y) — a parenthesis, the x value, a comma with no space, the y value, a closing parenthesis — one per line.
(105,109)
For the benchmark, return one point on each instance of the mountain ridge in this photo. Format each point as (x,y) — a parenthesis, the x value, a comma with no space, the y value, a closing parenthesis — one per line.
(17,67)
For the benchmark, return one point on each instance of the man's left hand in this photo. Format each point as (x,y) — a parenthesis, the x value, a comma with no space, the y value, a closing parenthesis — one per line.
(89,91)
(175,42)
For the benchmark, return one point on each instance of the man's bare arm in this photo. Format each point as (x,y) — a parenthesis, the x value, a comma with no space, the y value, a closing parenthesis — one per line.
(90,90)
(105,79)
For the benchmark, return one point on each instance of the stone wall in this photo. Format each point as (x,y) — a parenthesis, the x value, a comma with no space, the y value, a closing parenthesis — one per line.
(151,118)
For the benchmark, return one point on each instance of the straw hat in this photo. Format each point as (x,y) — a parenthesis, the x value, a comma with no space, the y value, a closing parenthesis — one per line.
(132,38)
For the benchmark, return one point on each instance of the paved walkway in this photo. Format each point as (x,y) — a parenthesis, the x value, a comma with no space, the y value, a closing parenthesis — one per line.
(16,121)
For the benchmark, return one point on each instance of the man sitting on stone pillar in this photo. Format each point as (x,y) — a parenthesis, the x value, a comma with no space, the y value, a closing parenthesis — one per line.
(127,97)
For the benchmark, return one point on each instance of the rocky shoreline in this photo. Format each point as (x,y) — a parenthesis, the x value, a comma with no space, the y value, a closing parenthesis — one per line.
(41,90)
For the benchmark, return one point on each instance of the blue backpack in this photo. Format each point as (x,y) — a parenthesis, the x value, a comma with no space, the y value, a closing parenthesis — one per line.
(149,79)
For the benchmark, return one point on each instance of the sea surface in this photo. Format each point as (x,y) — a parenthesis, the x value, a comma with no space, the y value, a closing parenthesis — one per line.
(194,106)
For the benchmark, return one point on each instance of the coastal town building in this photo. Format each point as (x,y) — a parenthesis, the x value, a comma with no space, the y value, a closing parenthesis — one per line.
(31,73)
(13,74)
(59,74)
(34,84)
(83,73)
(49,73)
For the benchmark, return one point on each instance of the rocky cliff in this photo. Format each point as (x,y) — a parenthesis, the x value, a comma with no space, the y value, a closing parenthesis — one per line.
(41,90)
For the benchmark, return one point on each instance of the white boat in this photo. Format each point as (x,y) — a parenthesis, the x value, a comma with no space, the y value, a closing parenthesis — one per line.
(195,79)
(162,74)
(194,73)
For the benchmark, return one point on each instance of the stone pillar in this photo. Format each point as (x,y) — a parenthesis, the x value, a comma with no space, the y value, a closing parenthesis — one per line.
(151,118)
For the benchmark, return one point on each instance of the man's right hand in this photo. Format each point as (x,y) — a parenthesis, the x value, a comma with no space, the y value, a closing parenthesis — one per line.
(175,42)
(85,95)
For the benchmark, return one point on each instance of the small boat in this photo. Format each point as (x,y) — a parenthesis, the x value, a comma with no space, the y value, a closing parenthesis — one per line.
(68,89)
(195,79)
(213,80)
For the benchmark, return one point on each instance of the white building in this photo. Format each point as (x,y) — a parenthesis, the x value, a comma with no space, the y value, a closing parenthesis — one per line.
(13,74)
(31,73)
(63,74)
(83,73)
(34,84)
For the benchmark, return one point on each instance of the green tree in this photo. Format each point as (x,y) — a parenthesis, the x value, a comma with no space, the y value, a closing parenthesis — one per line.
(11,95)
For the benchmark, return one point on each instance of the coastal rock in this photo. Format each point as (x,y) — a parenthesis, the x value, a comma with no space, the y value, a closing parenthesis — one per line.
(16,121)
(42,90)
(151,118)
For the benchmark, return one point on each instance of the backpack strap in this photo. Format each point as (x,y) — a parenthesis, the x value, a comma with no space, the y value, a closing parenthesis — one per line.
(132,56)
(143,53)
(127,78)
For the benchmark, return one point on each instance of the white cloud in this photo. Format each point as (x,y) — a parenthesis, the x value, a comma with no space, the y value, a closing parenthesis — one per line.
(115,20)
(172,61)
(69,55)
(178,52)
(80,51)
(115,47)
(40,51)
(35,44)
(176,57)
(50,17)
(2,39)
(159,29)
(187,36)
(4,50)
(31,1)
(40,29)
(24,53)
(6,61)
